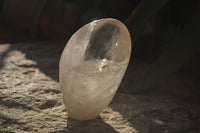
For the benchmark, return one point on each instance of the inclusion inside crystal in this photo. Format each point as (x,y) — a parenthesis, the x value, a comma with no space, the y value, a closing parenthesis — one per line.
(103,42)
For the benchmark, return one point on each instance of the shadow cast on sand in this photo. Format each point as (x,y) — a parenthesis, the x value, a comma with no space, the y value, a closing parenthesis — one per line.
(91,126)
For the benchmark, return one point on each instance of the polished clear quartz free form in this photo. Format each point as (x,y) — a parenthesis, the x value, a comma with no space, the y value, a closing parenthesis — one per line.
(92,66)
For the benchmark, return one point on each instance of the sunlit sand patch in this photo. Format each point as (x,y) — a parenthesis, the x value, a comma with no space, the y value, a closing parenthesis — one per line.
(117,121)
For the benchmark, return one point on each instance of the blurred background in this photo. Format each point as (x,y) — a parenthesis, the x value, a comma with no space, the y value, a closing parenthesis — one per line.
(165,37)
(160,91)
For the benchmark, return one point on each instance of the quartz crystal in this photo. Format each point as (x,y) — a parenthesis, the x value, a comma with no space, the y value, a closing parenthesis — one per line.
(92,66)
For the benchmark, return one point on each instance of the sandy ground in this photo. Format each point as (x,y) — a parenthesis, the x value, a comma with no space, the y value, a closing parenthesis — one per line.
(31,101)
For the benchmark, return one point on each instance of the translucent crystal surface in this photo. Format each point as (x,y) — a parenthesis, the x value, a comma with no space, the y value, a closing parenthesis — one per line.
(92,66)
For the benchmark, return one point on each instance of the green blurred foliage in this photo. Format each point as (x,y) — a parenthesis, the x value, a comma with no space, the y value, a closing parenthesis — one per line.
(90,10)
(40,7)
(176,53)
(144,11)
